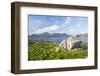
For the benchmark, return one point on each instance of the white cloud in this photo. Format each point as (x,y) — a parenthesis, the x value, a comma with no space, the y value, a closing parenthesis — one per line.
(46,29)
(78,25)
(71,30)
(67,21)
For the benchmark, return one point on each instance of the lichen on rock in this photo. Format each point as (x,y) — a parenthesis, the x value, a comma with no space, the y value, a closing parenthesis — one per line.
(70,43)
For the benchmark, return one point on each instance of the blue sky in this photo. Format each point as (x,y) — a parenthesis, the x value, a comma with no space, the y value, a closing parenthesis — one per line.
(74,25)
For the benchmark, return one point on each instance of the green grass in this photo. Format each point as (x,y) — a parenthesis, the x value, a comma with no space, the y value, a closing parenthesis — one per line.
(47,51)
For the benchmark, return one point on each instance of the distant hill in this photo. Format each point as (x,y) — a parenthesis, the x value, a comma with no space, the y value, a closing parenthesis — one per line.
(85,35)
(50,35)
(55,37)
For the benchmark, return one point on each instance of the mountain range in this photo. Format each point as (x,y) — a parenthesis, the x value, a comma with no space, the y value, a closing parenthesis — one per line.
(55,37)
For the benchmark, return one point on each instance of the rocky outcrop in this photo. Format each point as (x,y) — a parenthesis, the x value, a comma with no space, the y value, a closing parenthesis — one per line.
(63,45)
(70,43)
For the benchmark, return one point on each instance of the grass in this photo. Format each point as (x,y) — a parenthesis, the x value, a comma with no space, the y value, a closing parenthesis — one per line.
(47,51)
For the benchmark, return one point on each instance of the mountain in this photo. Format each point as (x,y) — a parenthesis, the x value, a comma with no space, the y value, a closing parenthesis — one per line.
(55,37)
(45,33)
(50,35)
(82,35)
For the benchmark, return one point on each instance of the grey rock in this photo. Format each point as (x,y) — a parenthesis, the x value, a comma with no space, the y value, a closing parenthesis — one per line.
(70,43)
(63,45)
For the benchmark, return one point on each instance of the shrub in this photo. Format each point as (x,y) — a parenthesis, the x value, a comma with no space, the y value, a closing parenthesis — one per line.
(84,45)
(46,51)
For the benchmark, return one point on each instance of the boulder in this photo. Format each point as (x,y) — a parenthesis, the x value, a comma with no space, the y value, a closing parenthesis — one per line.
(63,45)
(73,43)
(70,43)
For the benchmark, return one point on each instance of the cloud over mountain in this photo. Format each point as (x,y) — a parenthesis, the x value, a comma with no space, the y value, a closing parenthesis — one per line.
(46,29)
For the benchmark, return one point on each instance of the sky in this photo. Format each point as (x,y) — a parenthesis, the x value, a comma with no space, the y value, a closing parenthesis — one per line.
(38,24)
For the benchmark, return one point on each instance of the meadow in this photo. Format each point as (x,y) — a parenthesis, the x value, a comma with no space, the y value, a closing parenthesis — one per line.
(40,50)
